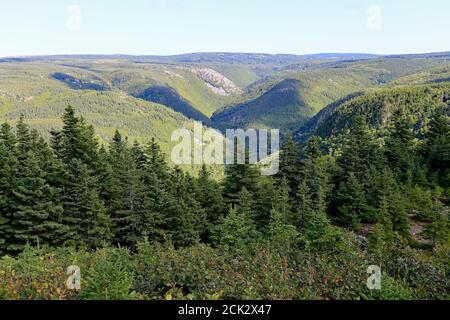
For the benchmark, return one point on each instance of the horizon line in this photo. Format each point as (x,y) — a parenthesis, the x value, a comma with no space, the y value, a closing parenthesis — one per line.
(219,52)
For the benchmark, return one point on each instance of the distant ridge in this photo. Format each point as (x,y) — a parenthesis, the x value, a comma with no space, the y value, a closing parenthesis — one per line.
(206,57)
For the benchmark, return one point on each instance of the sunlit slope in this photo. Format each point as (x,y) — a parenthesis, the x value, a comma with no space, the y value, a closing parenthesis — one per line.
(297,92)
(200,88)
(31,91)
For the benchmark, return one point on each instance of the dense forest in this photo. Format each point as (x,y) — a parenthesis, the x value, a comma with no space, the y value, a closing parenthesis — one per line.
(141,229)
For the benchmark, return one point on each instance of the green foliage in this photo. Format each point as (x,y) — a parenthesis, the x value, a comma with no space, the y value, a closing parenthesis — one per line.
(391,289)
(237,230)
(109,276)
(164,221)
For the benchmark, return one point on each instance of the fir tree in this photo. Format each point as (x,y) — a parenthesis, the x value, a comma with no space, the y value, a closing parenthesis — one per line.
(399,146)
(37,216)
(351,202)
(236,232)
(282,235)
(185,218)
(290,166)
(359,153)
(282,201)
(84,212)
(238,177)
(437,148)
(8,183)
(126,192)
(209,196)
(303,206)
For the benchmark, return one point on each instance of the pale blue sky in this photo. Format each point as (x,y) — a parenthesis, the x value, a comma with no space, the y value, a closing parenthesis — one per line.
(30,27)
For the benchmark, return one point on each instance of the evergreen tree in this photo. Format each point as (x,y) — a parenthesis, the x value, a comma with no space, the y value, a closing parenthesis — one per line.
(359,153)
(84,212)
(8,183)
(127,197)
(304,207)
(265,202)
(315,175)
(236,232)
(351,202)
(391,211)
(438,227)
(399,147)
(238,177)
(156,160)
(156,201)
(185,219)
(36,215)
(282,235)
(245,204)
(437,148)
(282,201)
(209,196)
(290,166)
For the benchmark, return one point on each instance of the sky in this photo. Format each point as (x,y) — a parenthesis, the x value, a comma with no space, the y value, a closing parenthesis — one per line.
(164,27)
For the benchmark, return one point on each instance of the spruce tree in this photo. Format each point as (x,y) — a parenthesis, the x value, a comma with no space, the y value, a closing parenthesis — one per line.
(8,183)
(237,177)
(209,196)
(303,206)
(84,212)
(351,202)
(126,202)
(37,215)
(265,200)
(282,235)
(399,146)
(184,217)
(236,232)
(282,201)
(437,148)
(359,153)
(438,227)
(157,200)
(290,166)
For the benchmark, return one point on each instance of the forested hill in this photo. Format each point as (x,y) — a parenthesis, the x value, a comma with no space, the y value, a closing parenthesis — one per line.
(377,106)
(225,90)
(295,93)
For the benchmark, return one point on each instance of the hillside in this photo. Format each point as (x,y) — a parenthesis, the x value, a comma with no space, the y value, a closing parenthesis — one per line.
(297,92)
(31,90)
(377,106)
(224,90)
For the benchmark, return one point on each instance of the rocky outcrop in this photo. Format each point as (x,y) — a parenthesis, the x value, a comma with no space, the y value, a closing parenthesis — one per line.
(216,81)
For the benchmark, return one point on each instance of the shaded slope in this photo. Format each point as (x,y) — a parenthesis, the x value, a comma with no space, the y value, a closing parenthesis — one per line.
(170,98)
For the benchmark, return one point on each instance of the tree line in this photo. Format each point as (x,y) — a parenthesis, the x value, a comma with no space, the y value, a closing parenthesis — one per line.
(72,191)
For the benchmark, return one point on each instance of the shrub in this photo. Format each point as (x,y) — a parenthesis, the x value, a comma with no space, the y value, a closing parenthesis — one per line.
(36,274)
(109,276)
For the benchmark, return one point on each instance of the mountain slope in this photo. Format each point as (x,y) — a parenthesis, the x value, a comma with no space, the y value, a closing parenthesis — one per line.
(418,102)
(297,92)
(30,90)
